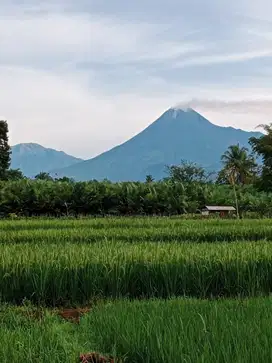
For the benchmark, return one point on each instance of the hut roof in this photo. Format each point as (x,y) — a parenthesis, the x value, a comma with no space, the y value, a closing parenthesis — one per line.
(219,208)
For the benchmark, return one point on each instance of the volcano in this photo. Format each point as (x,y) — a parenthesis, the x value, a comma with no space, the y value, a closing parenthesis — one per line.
(179,134)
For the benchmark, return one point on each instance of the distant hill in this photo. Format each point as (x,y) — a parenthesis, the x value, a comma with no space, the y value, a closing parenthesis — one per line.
(177,134)
(33,158)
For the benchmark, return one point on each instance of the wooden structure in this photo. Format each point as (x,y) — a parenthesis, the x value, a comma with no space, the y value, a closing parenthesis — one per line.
(216,209)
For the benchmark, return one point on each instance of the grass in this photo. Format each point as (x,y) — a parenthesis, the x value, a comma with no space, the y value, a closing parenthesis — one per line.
(76,273)
(184,331)
(25,339)
(179,330)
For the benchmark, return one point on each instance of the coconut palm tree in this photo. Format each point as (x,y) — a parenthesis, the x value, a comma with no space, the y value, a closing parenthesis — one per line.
(239,166)
(149,179)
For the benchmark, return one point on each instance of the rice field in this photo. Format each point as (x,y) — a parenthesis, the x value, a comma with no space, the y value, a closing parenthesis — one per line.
(53,274)
(158,289)
(134,230)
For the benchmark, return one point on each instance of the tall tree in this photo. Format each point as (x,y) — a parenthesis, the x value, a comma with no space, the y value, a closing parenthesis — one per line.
(239,166)
(5,150)
(263,147)
(44,176)
(14,174)
(188,172)
(149,179)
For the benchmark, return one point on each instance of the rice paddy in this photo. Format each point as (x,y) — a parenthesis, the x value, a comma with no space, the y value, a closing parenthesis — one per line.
(156,289)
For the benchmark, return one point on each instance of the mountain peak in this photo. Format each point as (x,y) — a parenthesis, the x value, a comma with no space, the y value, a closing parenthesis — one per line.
(27,146)
(182,108)
(186,115)
(178,110)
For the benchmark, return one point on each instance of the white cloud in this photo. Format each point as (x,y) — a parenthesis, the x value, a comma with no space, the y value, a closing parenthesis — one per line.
(65,36)
(60,111)
(70,38)
(85,80)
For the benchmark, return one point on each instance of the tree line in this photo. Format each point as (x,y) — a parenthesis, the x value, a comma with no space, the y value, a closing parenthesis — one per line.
(186,188)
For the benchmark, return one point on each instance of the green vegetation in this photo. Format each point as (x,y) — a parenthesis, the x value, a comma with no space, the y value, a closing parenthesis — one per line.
(238,166)
(263,147)
(184,331)
(133,230)
(74,261)
(139,332)
(30,339)
(4,150)
(5,156)
(58,198)
(55,274)
(178,330)
(160,289)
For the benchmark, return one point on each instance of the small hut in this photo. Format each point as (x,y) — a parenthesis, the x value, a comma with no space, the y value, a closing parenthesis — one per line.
(223,211)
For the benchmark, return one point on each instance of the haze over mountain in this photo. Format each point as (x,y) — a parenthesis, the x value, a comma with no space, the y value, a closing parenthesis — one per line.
(33,158)
(177,134)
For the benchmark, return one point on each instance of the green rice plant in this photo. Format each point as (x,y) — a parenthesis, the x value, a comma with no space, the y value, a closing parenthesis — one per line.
(76,273)
(188,331)
(133,230)
(123,222)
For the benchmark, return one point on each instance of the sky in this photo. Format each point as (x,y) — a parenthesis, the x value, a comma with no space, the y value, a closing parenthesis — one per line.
(83,76)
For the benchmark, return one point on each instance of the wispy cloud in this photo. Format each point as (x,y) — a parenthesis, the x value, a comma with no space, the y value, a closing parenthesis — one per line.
(226,58)
(245,113)
(241,106)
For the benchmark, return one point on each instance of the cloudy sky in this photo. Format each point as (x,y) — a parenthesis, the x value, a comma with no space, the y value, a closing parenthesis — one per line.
(83,76)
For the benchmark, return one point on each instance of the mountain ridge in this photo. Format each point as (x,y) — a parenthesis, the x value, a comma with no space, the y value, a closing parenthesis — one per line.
(32,158)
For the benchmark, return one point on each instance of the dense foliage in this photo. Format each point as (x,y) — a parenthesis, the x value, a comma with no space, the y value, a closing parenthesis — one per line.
(263,147)
(59,198)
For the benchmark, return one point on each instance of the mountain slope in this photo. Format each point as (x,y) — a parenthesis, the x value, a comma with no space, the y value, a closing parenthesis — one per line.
(33,158)
(177,134)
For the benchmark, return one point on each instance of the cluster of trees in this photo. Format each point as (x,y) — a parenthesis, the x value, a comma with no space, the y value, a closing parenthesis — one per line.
(239,166)
(186,189)
(40,197)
